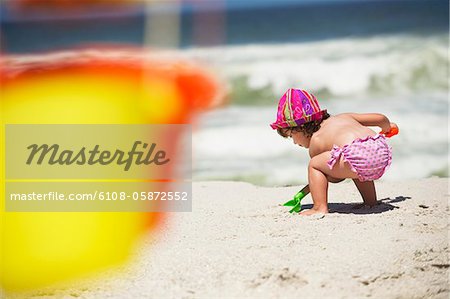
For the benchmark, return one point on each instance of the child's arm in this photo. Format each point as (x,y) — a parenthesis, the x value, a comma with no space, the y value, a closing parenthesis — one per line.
(373,119)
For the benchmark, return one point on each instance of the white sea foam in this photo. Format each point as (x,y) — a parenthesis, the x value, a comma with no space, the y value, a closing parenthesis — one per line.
(387,65)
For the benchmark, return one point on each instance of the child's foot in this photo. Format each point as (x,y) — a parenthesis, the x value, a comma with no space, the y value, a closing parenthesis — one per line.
(313,212)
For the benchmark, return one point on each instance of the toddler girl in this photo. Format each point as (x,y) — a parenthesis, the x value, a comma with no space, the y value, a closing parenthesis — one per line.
(340,146)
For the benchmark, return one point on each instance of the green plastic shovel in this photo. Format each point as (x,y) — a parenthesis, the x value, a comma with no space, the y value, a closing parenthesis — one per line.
(296,201)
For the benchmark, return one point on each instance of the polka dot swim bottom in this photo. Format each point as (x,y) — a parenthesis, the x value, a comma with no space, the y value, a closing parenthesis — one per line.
(368,157)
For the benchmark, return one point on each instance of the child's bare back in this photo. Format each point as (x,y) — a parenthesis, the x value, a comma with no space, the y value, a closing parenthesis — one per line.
(337,130)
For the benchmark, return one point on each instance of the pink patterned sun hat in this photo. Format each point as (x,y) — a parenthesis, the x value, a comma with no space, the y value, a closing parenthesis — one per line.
(297,107)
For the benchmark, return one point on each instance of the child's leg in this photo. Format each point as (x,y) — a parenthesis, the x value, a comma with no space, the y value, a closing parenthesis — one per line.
(318,174)
(367,191)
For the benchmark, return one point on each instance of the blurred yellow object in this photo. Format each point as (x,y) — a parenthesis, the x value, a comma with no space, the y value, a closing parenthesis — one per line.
(86,87)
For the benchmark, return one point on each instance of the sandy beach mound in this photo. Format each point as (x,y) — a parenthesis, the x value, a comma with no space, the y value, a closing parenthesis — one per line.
(239,242)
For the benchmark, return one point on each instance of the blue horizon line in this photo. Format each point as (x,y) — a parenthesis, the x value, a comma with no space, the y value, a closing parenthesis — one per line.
(138,9)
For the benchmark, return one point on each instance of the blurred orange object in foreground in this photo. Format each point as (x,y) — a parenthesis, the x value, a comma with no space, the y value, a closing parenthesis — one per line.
(97,86)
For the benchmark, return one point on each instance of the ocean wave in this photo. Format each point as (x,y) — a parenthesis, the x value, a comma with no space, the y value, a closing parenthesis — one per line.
(348,67)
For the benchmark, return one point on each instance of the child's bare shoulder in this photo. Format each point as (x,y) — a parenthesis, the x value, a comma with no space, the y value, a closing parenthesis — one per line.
(336,120)
(343,116)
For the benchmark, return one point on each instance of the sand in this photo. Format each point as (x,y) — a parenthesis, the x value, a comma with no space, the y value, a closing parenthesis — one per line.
(240,243)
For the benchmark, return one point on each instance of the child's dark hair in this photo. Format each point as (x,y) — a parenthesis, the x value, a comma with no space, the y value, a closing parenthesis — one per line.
(307,128)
